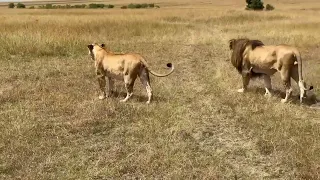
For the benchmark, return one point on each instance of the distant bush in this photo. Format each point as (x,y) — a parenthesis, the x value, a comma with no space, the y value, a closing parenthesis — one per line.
(77,6)
(131,6)
(96,6)
(49,6)
(31,7)
(124,7)
(138,6)
(20,5)
(144,5)
(254,5)
(11,5)
(269,7)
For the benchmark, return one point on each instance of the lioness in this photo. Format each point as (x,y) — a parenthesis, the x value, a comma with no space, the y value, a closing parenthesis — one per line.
(124,67)
(252,59)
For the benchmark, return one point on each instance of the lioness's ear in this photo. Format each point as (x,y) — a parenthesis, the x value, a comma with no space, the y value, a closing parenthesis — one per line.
(90,46)
(231,43)
(103,45)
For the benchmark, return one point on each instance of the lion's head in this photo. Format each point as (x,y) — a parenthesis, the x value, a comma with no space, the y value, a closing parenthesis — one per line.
(238,46)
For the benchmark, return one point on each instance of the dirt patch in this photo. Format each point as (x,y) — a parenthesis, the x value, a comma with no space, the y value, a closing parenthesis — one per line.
(5,87)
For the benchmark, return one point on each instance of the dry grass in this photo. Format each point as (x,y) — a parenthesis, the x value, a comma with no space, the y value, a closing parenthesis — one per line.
(52,126)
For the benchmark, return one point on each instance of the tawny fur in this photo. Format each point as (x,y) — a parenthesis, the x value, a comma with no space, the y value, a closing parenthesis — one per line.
(252,58)
(125,67)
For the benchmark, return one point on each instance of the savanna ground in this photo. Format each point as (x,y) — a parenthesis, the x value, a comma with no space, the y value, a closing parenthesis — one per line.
(52,125)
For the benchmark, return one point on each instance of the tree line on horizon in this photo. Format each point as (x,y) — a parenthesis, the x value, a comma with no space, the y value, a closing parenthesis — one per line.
(83,6)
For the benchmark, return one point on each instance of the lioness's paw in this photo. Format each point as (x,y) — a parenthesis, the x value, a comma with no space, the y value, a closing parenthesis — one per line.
(268,95)
(283,100)
(123,100)
(101,97)
(241,90)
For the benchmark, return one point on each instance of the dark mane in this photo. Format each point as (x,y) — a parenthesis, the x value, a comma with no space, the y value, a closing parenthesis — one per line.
(238,46)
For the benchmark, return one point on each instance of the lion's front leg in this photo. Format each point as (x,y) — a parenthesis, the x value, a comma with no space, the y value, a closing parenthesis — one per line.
(267,84)
(245,82)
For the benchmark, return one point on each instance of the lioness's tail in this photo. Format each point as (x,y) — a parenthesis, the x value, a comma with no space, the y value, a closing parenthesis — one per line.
(170,65)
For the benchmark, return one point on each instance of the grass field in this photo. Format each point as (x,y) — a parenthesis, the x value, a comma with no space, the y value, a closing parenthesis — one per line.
(52,125)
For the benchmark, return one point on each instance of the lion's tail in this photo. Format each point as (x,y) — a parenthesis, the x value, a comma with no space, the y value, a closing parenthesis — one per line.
(170,65)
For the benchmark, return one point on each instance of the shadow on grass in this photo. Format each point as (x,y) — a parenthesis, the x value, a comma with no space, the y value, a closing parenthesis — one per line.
(294,99)
(136,97)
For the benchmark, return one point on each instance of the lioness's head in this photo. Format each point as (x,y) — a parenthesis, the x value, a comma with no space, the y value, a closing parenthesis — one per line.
(93,48)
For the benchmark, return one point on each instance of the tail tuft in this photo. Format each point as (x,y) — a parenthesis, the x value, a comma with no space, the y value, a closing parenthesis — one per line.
(169,65)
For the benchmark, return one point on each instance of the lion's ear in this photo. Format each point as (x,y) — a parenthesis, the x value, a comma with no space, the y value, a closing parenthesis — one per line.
(231,43)
(90,46)
(103,45)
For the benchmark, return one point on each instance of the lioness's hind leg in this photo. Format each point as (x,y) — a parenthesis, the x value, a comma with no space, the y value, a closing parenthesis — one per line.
(129,82)
(267,84)
(149,92)
(145,80)
(111,85)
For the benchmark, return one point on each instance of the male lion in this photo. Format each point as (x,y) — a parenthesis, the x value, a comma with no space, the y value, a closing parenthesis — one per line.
(124,67)
(254,59)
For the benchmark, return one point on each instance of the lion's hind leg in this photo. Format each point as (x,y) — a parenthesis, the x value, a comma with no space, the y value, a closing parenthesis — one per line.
(300,83)
(145,80)
(285,76)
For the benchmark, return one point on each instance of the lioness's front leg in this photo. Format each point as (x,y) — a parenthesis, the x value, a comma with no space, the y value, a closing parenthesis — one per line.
(102,84)
(111,84)
(129,82)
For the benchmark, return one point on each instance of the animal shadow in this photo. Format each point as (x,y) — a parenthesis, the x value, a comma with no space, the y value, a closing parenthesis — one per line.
(137,97)
(295,98)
